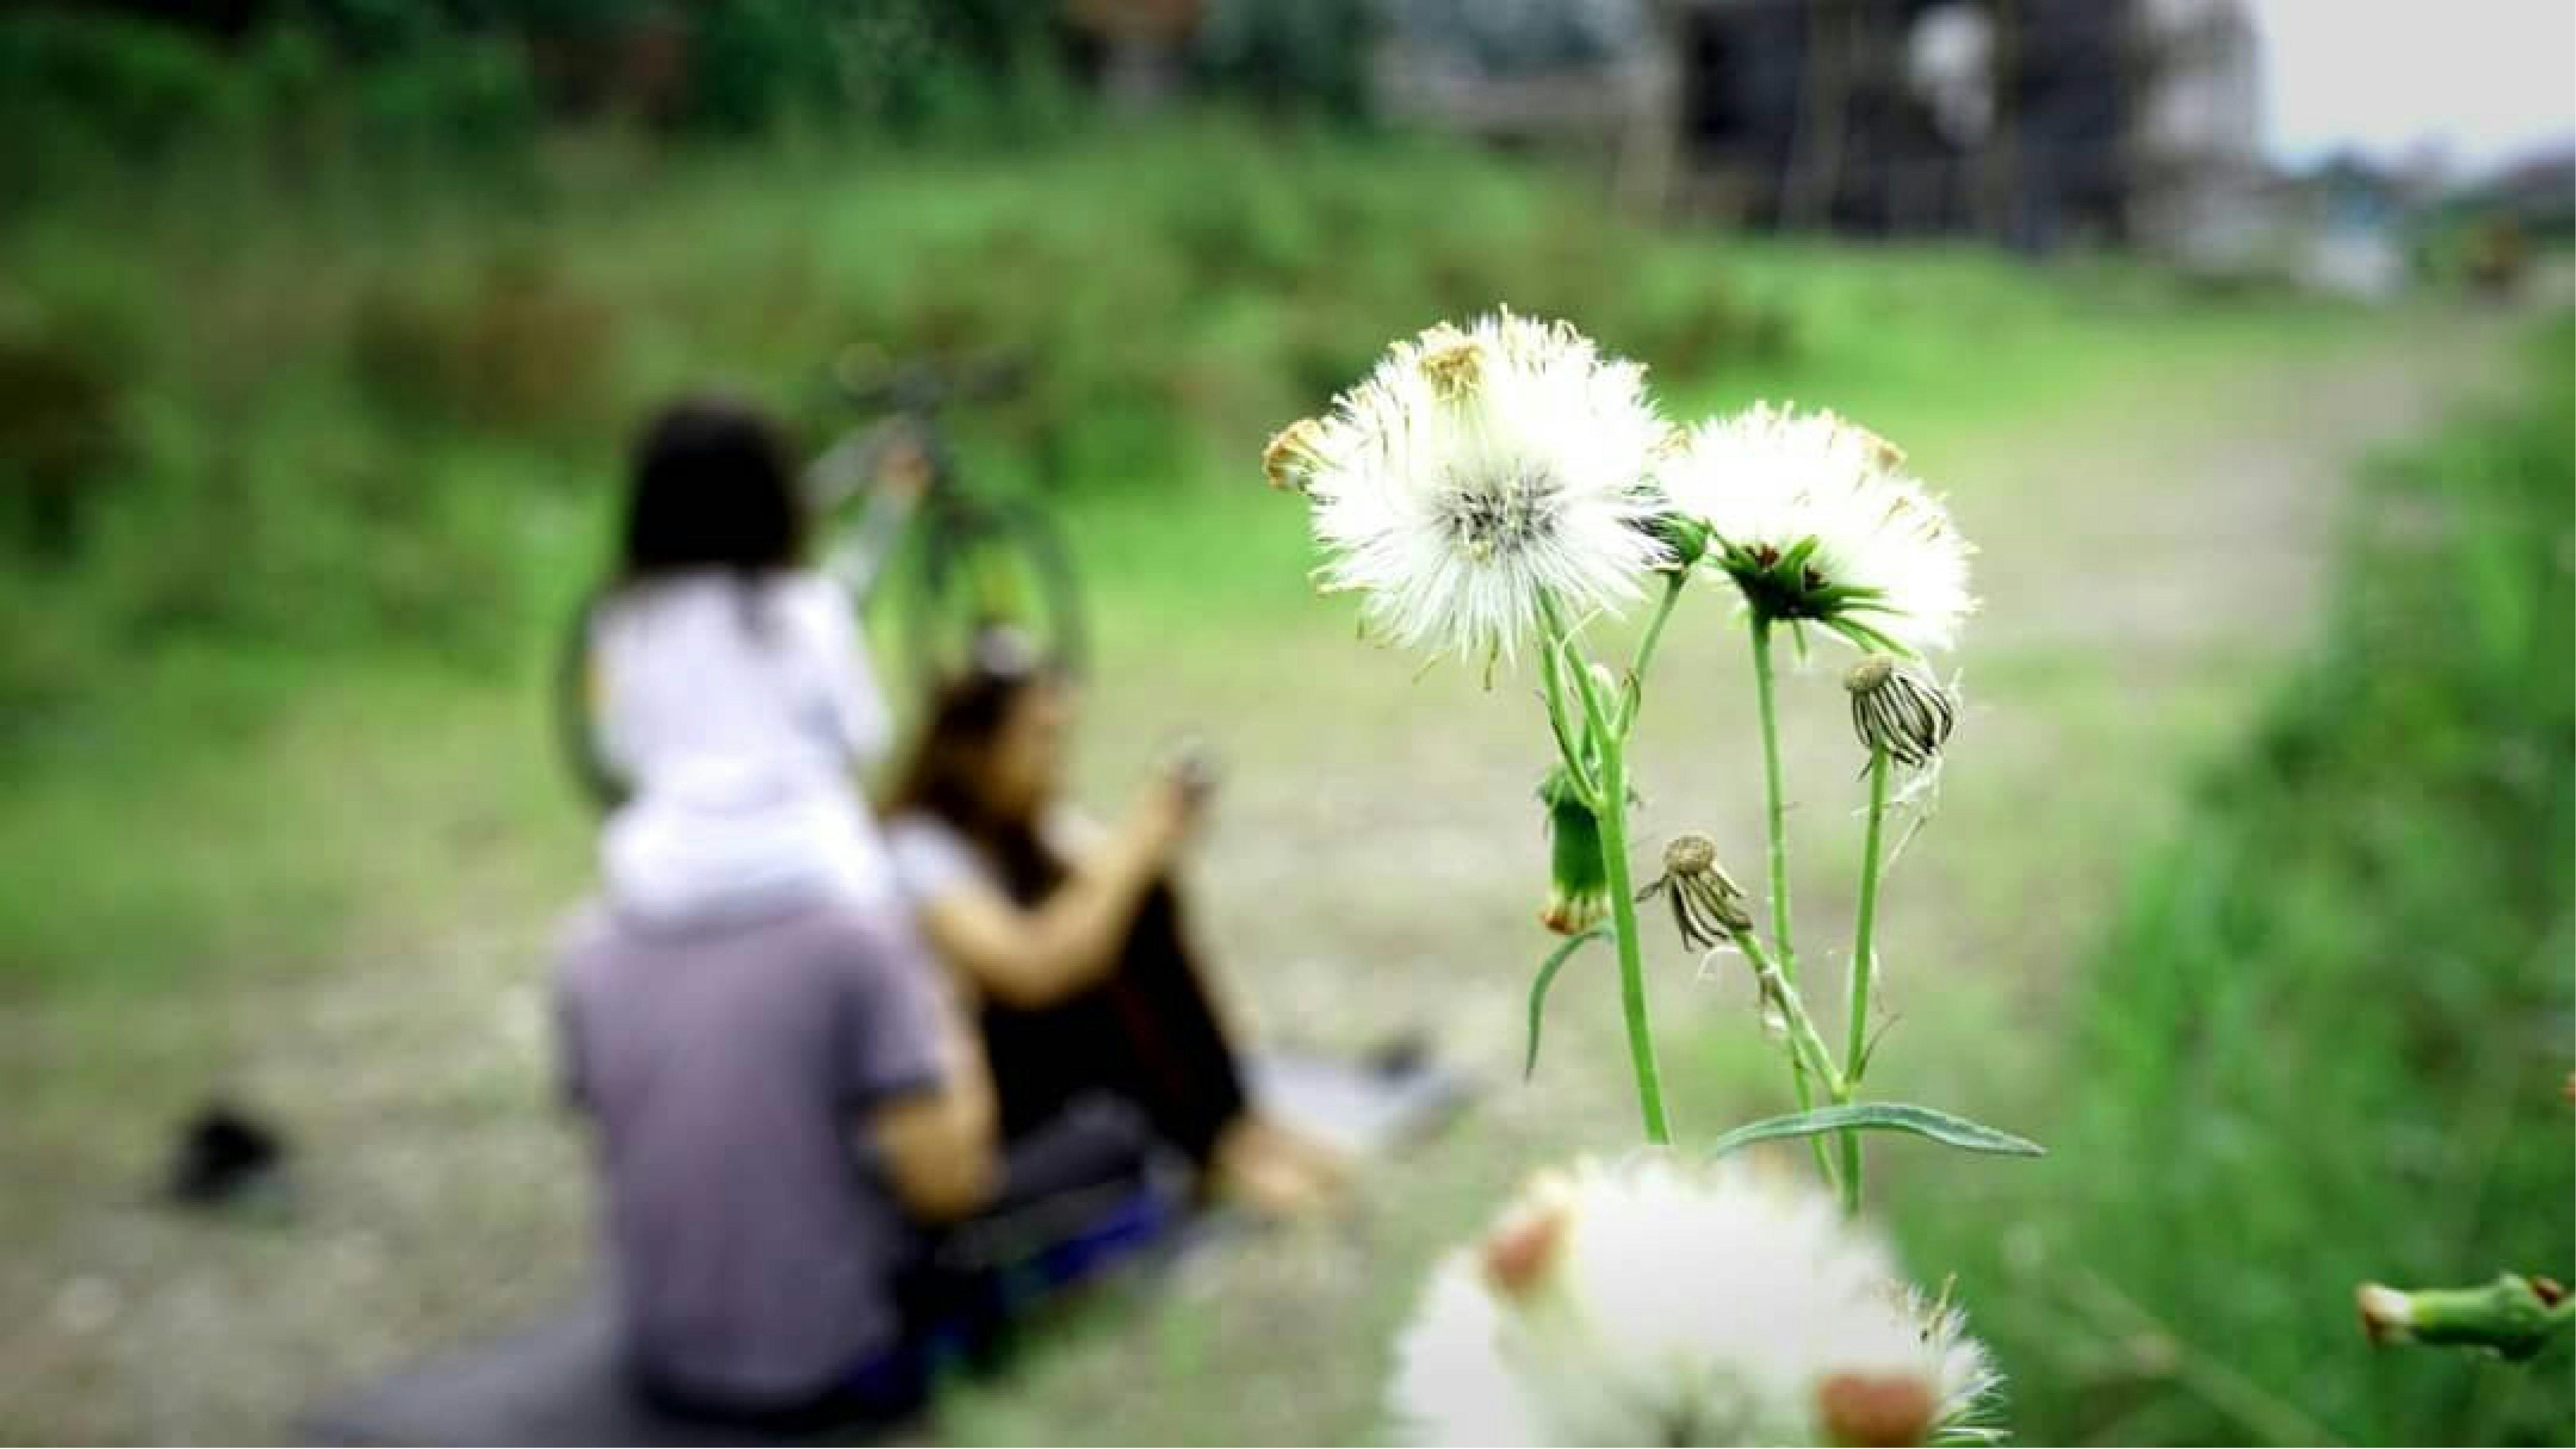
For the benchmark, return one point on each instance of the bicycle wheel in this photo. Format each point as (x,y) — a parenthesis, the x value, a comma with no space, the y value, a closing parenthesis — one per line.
(983,564)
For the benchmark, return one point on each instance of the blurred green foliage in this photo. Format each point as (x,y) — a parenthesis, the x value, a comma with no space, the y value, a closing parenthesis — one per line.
(306,84)
(88,98)
(380,411)
(1302,54)
(2326,1036)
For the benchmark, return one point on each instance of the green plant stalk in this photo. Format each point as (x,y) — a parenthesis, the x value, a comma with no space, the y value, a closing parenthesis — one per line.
(1623,923)
(1776,814)
(1864,969)
(1776,805)
(1554,688)
(1646,651)
(1807,1048)
(1609,799)
(2511,1315)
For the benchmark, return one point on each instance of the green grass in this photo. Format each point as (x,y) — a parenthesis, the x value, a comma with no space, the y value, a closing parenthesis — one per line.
(2324,1037)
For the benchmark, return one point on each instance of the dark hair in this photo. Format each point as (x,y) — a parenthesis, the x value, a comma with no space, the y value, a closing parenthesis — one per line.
(713,487)
(943,777)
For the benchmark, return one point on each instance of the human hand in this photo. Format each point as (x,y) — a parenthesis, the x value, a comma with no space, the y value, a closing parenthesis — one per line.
(903,469)
(1193,766)
(1173,805)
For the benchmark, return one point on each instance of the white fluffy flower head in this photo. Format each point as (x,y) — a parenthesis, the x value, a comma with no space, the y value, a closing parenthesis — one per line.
(1816,520)
(1478,476)
(1654,1302)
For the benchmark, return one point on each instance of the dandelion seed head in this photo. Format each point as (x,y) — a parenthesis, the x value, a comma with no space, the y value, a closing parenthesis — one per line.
(1815,519)
(1478,475)
(1659,1302)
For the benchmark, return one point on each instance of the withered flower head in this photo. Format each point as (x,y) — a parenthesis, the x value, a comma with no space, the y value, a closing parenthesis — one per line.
(1898,707)
(1708,907)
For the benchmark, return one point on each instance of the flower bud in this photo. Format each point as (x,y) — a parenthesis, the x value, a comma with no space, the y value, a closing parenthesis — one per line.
(1900,709)
(2511,1315)
(1708,907)
(1578,882)
(1685,541)
(2387,1316)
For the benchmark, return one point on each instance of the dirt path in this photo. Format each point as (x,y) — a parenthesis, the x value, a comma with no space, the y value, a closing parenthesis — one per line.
(2144,570)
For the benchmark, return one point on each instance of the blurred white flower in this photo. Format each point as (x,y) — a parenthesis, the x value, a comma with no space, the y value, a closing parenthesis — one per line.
(1656,1302)
(1817,520)
(1476,473)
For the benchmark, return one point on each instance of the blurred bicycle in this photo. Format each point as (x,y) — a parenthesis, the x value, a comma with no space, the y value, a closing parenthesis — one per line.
(924,554)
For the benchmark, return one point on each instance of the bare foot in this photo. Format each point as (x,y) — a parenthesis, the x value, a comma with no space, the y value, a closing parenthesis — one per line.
(1320,1159)
(1253,1168)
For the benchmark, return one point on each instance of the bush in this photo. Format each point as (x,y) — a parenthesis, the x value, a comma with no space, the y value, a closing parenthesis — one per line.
(524,350)
(60,435)
(305,530)
(463,100)
(89,98)
(79,93)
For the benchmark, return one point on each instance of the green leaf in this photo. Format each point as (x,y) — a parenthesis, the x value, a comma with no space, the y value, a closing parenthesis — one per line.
(1547,970)
(1880,1117)
(1867,637)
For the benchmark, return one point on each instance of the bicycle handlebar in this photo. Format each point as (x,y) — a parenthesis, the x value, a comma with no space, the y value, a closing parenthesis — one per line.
(869,380)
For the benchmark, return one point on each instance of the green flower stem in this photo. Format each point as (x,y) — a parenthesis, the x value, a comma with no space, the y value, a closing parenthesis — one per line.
(1623,922)
(1776,812)
(1776,806)
(1609,799)
(1807,1048)
(1673,583)
(1864,968)
(1558,644)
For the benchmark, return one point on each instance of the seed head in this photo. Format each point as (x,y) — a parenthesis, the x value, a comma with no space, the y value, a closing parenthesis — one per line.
(1662,1301)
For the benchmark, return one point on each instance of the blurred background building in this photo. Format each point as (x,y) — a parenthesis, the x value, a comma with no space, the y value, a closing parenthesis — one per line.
(2040,122)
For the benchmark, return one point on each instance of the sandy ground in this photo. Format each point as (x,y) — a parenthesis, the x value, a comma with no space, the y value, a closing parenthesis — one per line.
(1376,867)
